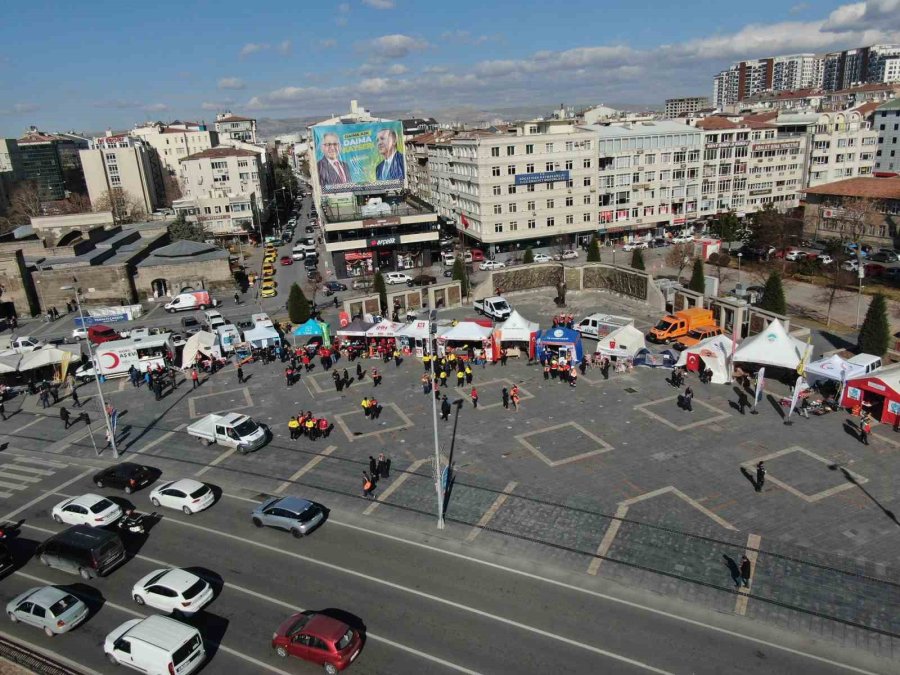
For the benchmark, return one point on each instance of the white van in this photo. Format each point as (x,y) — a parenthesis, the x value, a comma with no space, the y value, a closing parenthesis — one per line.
(156,645)
(214,319)
(298,252)
(190,300)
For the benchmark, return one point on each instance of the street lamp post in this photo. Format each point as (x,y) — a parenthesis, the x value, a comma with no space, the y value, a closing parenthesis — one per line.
(96,364)
(438,474)
(739,256)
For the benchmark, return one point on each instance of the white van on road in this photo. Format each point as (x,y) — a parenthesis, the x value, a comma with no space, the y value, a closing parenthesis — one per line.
(156,645)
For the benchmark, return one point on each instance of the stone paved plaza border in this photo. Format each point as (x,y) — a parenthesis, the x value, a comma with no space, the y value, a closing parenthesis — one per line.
(602,446)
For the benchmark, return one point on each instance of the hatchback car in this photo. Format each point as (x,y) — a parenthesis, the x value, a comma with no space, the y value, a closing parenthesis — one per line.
(335,286)
(187,495)
(126,476)
(173,591)
(571,255)
(422,280)
(492,265)
(268,283)
(634,245)
(269,292)
(89,509)
(542,258)
(286,260)
(297,516)
(318,638)
(51,609)
(397,278)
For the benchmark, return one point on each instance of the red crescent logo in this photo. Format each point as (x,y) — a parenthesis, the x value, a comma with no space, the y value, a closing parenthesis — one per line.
(115,360)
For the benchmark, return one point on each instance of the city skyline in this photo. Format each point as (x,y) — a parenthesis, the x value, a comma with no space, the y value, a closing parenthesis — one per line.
(387,54)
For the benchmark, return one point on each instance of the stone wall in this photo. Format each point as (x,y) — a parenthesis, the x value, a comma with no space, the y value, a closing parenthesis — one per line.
(621,280)
(18,294)
(213,275)
(522,278)
(100,285)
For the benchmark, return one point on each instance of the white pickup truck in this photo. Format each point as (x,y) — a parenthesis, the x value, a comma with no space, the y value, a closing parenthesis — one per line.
(232,430)
(19,345)
(495,307)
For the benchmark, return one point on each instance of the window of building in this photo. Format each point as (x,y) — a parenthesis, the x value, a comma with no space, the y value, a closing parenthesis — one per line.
(587,199)
(548,147)
(530,206)
(220,165)
(586,217)
(510,169)
(498,208)
(511,207)
(495,152)
(498,227)
(649,159)
(496,189)
(570,219)
(531,224)
(243,163)
(510,150)
(569,201)
(680,157)
(511,189)
(623,162)
(495,170)
(568,165)
(665,157)
(530,187)
(550,166)
(529,168)
(586,163)
(587,181)
(622,197)
(549,203)
(529,149)
(551,221)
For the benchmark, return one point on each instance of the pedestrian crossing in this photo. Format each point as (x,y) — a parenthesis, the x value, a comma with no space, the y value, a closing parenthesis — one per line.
(21,473)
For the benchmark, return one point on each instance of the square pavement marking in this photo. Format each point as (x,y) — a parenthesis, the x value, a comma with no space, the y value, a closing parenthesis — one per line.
(563,443)
(800,462)
(395,415)
(487,392)
(676,412)
(200,405)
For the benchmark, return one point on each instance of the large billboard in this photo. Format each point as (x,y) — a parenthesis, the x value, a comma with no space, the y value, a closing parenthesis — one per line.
(360,157)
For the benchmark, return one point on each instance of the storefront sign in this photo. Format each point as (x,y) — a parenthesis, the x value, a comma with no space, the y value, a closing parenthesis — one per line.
(778,145)
(364,255)
(727,144)
(542,177)
(383,241)
(767,191)
(377,222)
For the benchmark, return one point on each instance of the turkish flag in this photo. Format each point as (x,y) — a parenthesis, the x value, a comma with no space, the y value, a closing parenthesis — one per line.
(465,222)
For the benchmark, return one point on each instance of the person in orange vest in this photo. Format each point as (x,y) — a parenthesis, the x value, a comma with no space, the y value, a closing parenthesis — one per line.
(376,377)
(374,408)
(323,427)
(368,486)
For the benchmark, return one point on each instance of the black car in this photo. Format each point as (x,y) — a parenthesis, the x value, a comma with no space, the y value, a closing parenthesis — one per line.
(313,275)
(190,325)
(311,262)
(423,280)
(309,229)
(335,286)
(126,476)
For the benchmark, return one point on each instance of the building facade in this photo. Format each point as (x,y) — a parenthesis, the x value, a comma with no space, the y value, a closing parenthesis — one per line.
(235,127)
(122,167)
(886,121)
(174,142)
(675,107)
(842,145)
(865,209)
(41,163)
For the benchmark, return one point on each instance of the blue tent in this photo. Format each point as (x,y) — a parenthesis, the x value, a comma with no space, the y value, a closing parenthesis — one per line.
(554,341)
(662,359)
(313,327)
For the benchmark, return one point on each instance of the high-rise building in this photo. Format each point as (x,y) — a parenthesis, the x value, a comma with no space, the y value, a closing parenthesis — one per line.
(886,121)
(41,163)
(122,173)
(676,107)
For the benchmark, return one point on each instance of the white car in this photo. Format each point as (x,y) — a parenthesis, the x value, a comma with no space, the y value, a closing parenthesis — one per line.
(491,265)
(173,590)
(187,495)
(396,278)
(90,509)
(850,265)
(79,333)
(825,259)
(542,258)
(795,256)
(682,239)
(631,246)
(566,255)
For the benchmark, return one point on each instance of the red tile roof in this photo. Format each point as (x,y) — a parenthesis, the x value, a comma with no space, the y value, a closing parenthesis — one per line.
(37,137)
(235,118)
(872,86)
(713,123)
(864,186)
(867,109)
(222,151)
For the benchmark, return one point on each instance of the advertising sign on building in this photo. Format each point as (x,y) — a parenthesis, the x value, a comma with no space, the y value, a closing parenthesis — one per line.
(357,158)
(542,177)
(375,242)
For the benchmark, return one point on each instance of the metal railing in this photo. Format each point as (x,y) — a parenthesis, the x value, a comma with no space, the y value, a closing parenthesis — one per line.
(34,661)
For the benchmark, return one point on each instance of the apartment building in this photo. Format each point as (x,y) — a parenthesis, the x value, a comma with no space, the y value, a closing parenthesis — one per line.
(235,127)
(119,166)
(842,144)
(420,153)
(41,163)
(779,73)
(886,121)
(675,107)
(173,142)
(224,189)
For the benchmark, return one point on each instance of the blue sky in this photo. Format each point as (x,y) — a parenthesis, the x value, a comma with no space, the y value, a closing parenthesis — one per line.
(97,64)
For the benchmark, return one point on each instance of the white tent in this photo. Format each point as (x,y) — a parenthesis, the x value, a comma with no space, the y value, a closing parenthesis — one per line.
(515,329)
(261,336)
(467,331)
(384,329)
(414,329)
(714,352)
(201,342)
(622,342)
(48,356)
(833,368)
(10,363)
(772,347)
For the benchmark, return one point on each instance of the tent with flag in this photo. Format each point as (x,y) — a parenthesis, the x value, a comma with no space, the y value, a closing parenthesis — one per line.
(516,334)
(772,347)
(313,327)
(713,354)
(356,328)
(832,368)
(624,343)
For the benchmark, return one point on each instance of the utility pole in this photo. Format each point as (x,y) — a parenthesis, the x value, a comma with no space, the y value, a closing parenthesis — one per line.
(438,473)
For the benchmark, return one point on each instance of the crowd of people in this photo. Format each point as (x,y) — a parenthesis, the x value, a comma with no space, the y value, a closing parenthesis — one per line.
(305,424)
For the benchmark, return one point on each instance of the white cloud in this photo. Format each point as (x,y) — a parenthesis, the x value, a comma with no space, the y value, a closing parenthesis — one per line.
(396,46)
(253,48)
(284,47)
(343,13)
(463,37)
(217,106)
(20,109)
(231,83)
(380,4)
(156,107)
(799,7)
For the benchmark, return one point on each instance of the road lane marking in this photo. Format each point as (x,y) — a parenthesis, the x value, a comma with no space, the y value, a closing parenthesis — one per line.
(434,598)
(37,419)
(27,469)
(752,550)
(166,436)
(309,466)
(23,479)
(608,537)
(58,488)
(395,485)
(13,486)
(218,460)
(40,462)
(492,511)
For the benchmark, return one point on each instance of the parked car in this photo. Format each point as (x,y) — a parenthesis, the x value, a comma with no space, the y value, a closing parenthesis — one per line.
(850,265)
(156,644)
(795,255)
(99,334)
(491,265)
(190,325)
(314,275)
(173,591)
(286,260)
(126,476)
(363,284)
(824,259)
(631,246)
(422,280)
(883,256)
(336,644)
(542,258)
(297,516)
(187,495)
(52,609)
(397,278)
(874,269)
(568,255)
(79,333)
(475,255)
(90,509)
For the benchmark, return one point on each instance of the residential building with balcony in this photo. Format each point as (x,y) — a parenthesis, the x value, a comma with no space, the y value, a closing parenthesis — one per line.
(886,121)
(235,127)
(842,144)
(173,142)
(675,107)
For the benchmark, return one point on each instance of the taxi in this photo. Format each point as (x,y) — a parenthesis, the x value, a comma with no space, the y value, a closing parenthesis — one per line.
(268,293)
(268,283)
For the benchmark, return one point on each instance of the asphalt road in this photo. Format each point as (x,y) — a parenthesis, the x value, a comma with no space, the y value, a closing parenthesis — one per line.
(424,607)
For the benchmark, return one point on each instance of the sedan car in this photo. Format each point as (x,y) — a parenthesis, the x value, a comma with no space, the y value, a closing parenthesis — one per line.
(297,516)
(795,256)
(269,292)
(79,333)
(397,278)
(187,494)
(542,258)
(173,591)
(491,265)
(51,609)
(268,283)
(286,260)
(127,476)
(850,265)
(335,286)
(633,245)
(318,638)
(572,255)
(89,509)
(422,280)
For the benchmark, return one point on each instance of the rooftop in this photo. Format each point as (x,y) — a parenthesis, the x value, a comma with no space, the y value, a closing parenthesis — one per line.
(649,128)
(220,152)
(713,123)
(868,187)
(35,136)
(184,252)
(893,104)
(235,118)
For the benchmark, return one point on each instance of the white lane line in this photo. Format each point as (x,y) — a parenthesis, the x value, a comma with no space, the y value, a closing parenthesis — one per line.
(58,488)
(56,656)
(608,538)
(5,494)
(492,511)
(309,466)
(218,460)
(13,486)
(40,462)
(27,469)
(166,436)
(25,426)
(139,615)
(433,598)
(395,485)
(19,477)
(599,595)
(740,604)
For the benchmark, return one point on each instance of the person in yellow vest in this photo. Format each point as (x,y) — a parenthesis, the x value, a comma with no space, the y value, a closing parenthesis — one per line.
(311,428)
(294,428)
(460,378)
(554,367)
(365,405)
(468,374)
(426,361)
(443,378)
(452,358)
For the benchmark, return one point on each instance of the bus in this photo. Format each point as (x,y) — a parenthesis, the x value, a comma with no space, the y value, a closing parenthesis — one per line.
(115,358)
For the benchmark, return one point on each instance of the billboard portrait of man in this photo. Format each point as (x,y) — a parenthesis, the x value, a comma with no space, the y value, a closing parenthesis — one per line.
(332,169)
(392,166)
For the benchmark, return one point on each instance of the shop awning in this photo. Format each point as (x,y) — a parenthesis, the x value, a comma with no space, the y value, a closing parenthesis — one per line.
(385,329)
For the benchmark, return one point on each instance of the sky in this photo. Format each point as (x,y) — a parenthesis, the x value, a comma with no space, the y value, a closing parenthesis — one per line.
(92,65)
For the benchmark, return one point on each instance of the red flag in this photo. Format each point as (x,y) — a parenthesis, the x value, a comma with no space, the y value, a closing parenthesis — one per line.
(462,217)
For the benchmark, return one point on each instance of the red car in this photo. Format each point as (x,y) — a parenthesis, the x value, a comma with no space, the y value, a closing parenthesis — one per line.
(318,638)
(99,334)
(287,260)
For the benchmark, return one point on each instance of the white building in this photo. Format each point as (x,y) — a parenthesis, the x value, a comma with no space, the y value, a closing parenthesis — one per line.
(224,189)
(235,127)
(174,142)
(796,71)
(842,143)
(675,107)
(121,166)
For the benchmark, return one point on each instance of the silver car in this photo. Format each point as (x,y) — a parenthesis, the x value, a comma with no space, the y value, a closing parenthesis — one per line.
(51,609)
(297,516)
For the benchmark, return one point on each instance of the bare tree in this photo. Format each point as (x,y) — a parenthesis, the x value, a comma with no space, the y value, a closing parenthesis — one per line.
(773,228)
(126,208)
(172,187)
(679,256)
(838,279)
(24,203)
(75,203)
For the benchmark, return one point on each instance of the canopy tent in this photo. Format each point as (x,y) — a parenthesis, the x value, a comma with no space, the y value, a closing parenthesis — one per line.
(516,329)
(312,327)
(262,336)
(559,342)
(772,347)
(625,342)
(202,343)
(356,328)
(662,359)
(466,334)
(10,363)
(832,368)
(878,392)
(384,329)
(415,329)
(713,354)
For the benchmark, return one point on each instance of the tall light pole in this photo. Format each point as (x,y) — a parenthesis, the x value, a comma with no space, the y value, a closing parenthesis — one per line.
(438,474)
(739,256)
(96,364)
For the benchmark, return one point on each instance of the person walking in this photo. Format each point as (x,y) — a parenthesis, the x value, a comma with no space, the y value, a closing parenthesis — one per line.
(64,416)
(195,378)
(503,356)
(514,397)
(383,465)
(373,468)
(240,374)
(2,409)
(687,399)
(468,374)
(760,476)
(75,401)
(865,428)
(505,396)
(45,398)
(746,569)
(445,409)
(474,396)
(365,406)
(426,383)
(359,371)
(368,485)
(460,378)
(288,376)
(237,298)
(376,377)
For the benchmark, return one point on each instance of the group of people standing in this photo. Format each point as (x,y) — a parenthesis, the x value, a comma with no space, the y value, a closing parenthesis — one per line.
(306,424)
(378,469)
